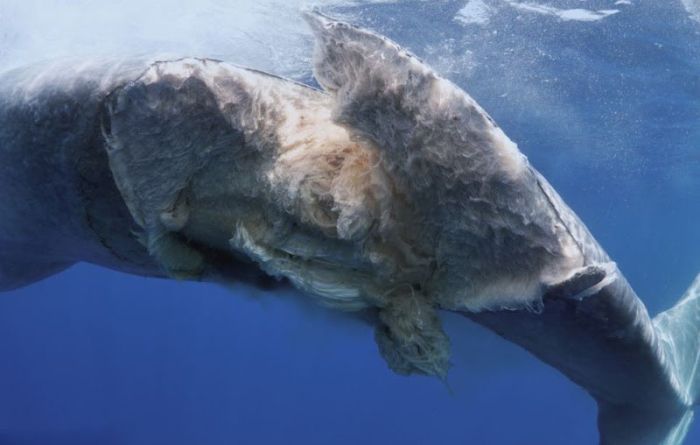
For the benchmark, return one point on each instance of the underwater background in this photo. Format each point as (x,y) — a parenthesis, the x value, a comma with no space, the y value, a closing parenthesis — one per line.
(603,96)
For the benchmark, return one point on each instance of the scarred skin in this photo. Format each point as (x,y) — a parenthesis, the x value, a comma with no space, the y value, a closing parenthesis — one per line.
(390,191)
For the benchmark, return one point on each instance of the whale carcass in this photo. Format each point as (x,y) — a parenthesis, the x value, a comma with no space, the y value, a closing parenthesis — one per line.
(390,191)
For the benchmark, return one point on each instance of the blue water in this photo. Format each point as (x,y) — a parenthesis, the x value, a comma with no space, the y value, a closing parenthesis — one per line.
(608,111)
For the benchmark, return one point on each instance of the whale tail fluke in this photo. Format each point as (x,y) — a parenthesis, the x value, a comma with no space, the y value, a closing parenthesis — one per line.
(678,330)
(677,333)
(629,425)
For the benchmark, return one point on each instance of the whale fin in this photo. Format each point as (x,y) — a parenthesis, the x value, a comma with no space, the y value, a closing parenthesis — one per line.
(387,95)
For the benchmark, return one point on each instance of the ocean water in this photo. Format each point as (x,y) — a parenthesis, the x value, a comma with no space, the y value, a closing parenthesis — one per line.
(603,96)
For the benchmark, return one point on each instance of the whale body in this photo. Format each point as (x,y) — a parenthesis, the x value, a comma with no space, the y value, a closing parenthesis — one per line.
(390,192)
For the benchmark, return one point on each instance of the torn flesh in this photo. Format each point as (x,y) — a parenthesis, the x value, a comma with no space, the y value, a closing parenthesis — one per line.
(392,190)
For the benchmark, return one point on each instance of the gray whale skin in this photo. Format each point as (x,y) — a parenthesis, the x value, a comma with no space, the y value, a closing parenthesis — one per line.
(389,192)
